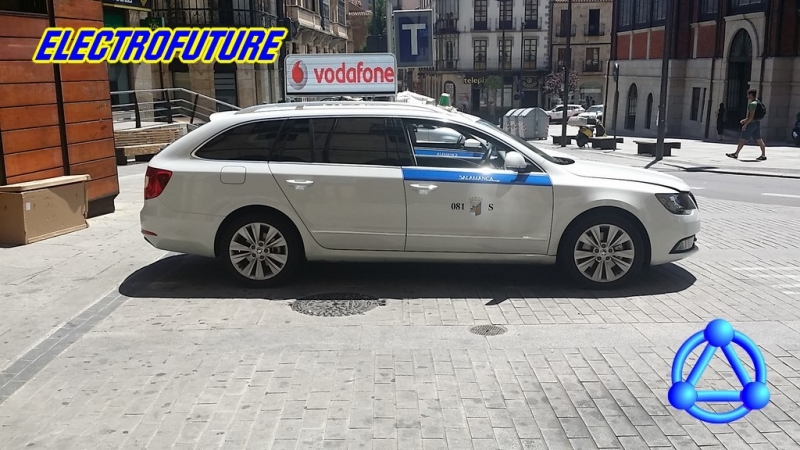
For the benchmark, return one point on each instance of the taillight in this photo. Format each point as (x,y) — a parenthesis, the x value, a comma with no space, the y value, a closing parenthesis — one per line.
(155,182)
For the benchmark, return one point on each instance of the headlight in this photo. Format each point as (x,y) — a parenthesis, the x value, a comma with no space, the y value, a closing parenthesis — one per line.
(681,203)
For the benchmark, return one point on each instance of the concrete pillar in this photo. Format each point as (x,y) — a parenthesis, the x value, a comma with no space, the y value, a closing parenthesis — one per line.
(245,85)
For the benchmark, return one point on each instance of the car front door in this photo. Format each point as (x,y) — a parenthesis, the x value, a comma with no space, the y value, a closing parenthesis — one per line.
(458,204)
(344,179)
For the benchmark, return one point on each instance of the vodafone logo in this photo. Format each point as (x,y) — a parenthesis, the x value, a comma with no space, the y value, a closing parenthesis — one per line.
(298,75)
(351,73)
(357,74)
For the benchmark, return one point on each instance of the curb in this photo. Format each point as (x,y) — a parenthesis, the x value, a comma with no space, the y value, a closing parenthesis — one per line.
(690,168)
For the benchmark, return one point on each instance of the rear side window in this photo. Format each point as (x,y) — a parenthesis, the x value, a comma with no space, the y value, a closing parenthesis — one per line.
(248,142)
(350,140)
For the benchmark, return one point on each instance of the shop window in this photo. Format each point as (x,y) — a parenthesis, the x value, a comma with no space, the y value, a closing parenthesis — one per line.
(225,85)
(695,113)
(180,81)
(24,6)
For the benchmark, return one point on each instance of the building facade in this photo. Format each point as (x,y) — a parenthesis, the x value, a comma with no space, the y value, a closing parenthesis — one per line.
(719,49)
(590,42)
(478,39)
(320,27)
(55,120)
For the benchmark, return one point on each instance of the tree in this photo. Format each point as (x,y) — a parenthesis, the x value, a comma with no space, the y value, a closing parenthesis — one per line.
(554,84)
(492,84)
(377,21)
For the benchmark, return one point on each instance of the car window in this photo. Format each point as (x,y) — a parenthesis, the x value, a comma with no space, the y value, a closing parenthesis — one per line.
(350,140)
(296,144)
(473,150)
(247,142)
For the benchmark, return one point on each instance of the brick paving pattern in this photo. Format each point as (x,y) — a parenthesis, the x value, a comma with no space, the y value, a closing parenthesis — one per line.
(184,360)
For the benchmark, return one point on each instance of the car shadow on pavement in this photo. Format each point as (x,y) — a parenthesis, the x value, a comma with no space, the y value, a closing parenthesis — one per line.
(192,277)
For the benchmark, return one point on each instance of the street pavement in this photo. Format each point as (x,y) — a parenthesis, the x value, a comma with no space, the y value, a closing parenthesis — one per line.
(783,160)
(106,342)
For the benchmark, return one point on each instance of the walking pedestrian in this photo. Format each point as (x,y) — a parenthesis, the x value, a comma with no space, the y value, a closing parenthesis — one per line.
(721,120)
(751,126)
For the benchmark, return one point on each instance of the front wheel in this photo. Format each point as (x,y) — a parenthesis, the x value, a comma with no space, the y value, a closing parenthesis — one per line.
(261,250)
(603,251)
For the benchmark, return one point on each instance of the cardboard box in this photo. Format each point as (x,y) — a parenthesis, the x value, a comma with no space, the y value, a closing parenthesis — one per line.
(38,210)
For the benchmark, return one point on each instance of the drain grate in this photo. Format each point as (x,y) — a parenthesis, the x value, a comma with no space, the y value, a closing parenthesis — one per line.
(336,304)
(487,330)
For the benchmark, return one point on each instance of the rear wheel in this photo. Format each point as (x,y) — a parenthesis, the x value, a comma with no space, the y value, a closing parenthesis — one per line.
(261,250)
(602,251)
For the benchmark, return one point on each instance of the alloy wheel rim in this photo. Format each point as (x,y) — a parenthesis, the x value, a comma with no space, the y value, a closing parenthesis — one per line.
(604,253)
(258,251)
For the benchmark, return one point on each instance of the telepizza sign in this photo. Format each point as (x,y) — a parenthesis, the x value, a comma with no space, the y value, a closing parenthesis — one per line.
(341,74)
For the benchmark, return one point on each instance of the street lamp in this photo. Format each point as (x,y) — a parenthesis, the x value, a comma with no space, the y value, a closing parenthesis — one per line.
(521,60)
(567,65)
(662,107)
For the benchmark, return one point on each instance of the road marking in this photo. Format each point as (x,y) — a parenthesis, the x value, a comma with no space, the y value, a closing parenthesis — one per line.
(782,195)
(794,277)
(696,188)
(768,268)
(786,285)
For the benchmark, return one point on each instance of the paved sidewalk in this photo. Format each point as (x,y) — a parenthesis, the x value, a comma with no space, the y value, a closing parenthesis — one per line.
(696,155)
(157,351)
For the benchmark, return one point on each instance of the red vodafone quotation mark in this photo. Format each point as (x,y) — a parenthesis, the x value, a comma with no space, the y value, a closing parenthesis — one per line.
(299,78)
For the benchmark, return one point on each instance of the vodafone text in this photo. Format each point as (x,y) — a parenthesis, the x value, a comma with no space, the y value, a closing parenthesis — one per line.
(357,74)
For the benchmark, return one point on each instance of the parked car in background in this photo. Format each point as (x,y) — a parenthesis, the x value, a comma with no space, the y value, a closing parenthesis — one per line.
(557,113)
(590,117)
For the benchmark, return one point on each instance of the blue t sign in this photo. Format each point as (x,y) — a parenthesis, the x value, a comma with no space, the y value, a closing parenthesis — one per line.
(413,31)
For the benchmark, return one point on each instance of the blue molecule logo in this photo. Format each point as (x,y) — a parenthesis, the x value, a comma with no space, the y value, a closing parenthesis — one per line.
(719,334)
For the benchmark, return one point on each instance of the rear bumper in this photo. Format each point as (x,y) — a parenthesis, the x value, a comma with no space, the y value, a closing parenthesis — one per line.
(174,231)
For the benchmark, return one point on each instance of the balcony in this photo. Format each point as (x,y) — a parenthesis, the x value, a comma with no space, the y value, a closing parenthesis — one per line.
(529,63)
(199,13)
(493,64)
(561,31)
(445,26)
(533,23)
(480,25)
(506,25)
(593,66)
(560,65)
(594,29)
(447,64)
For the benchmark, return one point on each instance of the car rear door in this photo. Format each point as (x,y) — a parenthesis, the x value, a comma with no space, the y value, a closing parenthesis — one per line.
(343,178)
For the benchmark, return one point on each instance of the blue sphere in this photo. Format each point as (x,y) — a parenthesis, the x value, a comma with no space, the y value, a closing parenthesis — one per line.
(719,333)
(682,395)
(755,395)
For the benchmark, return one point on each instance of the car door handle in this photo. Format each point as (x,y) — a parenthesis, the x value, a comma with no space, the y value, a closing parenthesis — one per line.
(300,182)
(424,187)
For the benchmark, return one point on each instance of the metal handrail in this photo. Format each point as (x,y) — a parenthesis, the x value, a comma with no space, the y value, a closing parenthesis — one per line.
(174,105)
(178,90)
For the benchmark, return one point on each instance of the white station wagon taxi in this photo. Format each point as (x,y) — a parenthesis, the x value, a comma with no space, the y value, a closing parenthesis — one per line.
(268,187)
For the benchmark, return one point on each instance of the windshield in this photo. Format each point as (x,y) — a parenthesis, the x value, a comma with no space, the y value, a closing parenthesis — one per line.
(525,143)
(596,108)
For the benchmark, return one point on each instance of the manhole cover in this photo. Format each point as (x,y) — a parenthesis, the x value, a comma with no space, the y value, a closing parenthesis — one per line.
(336,304)
(487,330)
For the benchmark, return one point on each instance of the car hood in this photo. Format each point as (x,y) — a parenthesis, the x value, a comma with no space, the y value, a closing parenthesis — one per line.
(591,169)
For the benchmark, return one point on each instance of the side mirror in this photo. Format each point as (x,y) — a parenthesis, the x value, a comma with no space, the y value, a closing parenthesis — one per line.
(472,143)
(515,162)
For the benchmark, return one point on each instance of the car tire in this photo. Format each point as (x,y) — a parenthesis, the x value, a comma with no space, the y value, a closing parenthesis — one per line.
(278,249)
(615,270)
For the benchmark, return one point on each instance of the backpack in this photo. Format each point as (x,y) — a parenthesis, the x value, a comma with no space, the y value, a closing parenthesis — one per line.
(761,111)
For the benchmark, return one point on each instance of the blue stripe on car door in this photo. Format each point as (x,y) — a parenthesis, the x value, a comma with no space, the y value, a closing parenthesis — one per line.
(463,176)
